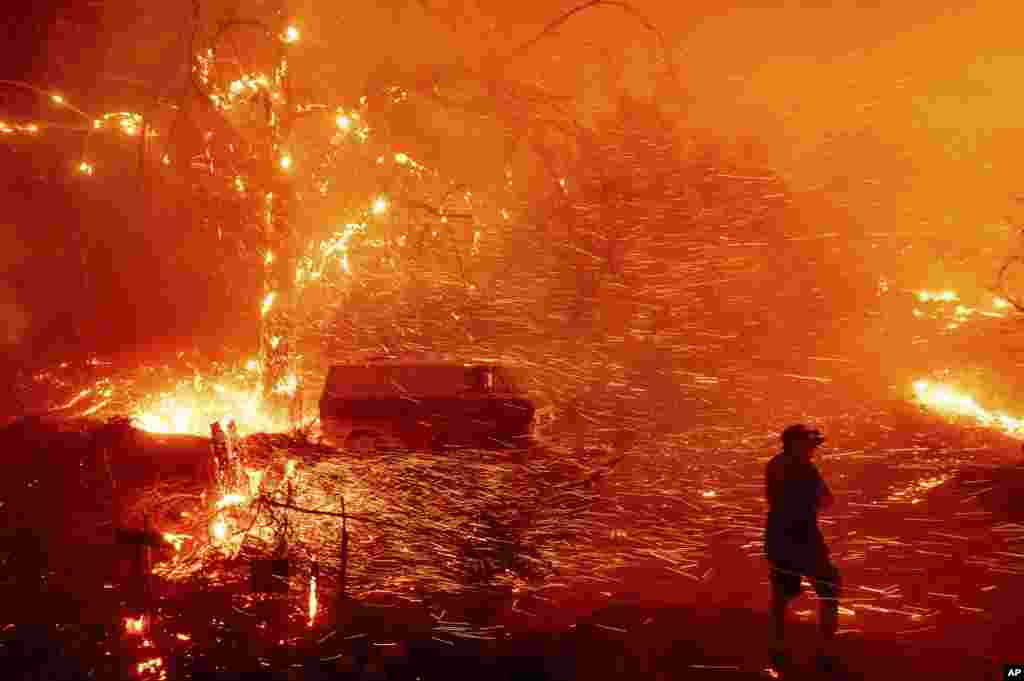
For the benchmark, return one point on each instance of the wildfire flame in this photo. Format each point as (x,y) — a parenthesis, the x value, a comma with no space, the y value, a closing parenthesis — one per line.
(268,301)
(938,296)
(175,540)
(255,479)
(151,666)
(230,500)
(947,400)
(219,530)
(960,313)
(193,404)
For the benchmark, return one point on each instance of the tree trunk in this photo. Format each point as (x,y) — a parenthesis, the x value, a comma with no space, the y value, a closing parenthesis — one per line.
(277,327)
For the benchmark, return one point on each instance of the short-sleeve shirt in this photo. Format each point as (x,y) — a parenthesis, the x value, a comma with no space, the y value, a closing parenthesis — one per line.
(793,489)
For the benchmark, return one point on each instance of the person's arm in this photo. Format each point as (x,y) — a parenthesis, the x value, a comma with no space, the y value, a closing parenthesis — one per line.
(825,497)
(771,485)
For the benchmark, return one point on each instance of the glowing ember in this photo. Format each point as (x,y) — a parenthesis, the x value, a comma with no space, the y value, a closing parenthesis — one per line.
(86,168)
(312,599)
(255,479)
(286,161)
(911,493)
(175,540)
(230,500)
(937,296)
(183,637)
(219,530)
(947,400)
(291,34)
(57,99)
(343,121)
(287,385)
(150,666)
(268,302)
(380,206)
(135,625)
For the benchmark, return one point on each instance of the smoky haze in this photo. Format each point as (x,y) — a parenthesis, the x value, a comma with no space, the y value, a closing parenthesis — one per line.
(893,126)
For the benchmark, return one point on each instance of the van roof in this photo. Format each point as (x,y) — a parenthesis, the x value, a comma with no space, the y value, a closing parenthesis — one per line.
(413,363)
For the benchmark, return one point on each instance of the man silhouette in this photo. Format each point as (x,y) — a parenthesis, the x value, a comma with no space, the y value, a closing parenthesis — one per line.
(794,545)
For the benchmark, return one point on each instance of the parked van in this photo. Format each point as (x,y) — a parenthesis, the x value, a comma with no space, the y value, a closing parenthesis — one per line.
(417,404)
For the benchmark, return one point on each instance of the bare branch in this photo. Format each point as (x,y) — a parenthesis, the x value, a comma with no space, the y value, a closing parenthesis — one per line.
(552,27)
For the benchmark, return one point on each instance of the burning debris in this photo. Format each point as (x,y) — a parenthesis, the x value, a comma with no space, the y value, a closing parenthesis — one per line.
(609,306)
(277,523)
(949,401)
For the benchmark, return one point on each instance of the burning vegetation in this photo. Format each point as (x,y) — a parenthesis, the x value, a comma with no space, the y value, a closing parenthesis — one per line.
(654,286)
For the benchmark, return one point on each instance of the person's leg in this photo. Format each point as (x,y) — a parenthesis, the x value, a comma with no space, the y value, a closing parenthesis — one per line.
(827,585)
(785,587)
(779,603)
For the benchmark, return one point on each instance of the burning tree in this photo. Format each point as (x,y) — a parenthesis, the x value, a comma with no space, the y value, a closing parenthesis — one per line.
(355,244)
(293,181)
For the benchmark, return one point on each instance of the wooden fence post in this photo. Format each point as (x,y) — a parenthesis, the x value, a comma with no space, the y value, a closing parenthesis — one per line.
(341,599)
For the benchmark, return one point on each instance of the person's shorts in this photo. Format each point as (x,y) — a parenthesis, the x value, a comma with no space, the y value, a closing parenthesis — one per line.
(786,577)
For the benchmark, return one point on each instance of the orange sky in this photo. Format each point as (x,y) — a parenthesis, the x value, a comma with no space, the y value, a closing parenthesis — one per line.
(904,114)
(901,114)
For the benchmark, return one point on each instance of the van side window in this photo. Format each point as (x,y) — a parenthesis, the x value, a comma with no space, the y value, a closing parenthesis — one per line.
(479,379)
(503,381)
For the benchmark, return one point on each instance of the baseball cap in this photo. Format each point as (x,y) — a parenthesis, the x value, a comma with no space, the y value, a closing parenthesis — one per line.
(801,431)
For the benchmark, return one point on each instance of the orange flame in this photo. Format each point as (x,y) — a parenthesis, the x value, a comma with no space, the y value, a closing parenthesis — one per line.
(135,625)
(946,296)
(192,405)
(150,666)
(947,400)
(175,540)
(219,530)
